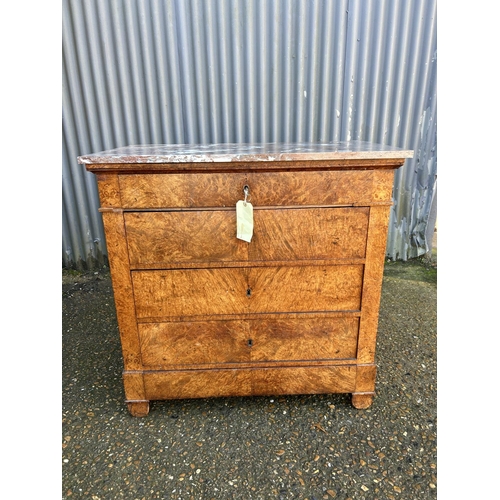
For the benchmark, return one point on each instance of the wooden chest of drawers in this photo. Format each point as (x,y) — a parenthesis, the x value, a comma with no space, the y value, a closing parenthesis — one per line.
(202,313)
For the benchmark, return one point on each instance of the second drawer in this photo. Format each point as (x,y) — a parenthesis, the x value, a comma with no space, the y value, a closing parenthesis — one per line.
(158,239)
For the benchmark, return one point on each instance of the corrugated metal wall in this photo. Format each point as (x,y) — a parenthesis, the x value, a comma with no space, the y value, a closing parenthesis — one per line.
(201,71)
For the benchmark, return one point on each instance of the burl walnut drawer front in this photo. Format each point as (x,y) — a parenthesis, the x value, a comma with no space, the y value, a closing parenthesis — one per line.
(266,189)
(162,238)
(220,342)
(206,292)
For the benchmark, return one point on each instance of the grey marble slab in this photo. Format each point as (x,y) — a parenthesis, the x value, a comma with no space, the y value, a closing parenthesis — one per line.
(226,152)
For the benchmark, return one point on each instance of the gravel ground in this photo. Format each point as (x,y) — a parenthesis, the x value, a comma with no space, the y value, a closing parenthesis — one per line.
(286,447)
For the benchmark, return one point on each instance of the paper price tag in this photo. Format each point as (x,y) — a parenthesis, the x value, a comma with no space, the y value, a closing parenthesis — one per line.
(244,220)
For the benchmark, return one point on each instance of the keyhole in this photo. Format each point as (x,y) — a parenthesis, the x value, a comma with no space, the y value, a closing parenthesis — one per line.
(249,292)
(246,191)
(250,342)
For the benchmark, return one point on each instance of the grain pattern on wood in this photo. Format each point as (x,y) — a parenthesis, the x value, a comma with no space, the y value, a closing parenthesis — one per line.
(383,184)
(116,243)
(197,384)
(134,385)
(109,190)
(219,342)
(266,189)
(207,292)
(194,343)
(315,233)
(313,188)
(372,283)
(138,408)
(303,339)
(250,315)
(138,168)
(182,190)
(197,237)
(183,237)
(362,401)
(317,380)
(305,288)
(365,378)
(248,381)
(191,292)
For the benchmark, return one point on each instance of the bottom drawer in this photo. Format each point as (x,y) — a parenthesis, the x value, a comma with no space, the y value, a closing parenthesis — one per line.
(249,382)
(219,342)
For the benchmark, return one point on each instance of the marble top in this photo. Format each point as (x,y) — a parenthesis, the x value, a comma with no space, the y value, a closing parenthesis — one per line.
(226,152)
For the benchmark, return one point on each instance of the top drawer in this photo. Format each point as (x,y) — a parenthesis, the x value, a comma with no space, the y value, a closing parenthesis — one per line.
(197,190)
